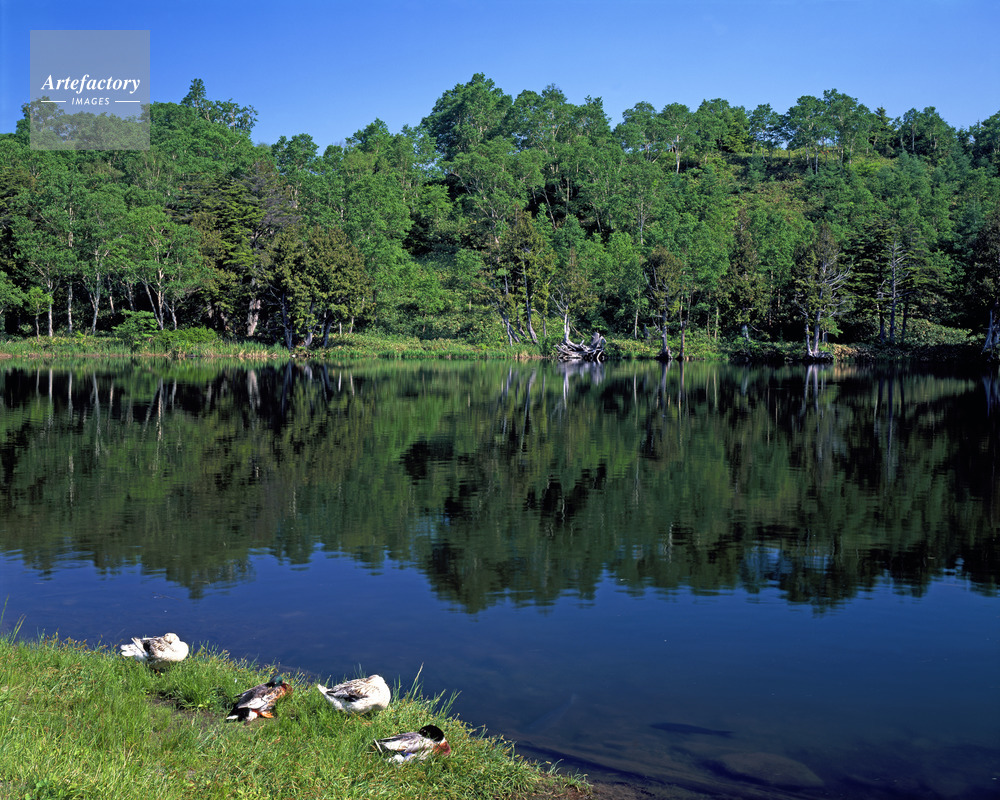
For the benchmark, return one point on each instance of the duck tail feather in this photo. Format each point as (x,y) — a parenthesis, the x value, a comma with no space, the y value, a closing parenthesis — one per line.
(133,650)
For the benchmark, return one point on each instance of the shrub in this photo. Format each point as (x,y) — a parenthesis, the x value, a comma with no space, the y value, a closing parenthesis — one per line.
(923,333)
(138,330)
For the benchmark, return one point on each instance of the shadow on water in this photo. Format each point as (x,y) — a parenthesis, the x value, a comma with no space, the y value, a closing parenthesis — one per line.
(687,730)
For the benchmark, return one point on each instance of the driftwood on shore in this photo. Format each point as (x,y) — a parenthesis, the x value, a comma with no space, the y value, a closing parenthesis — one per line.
(571,351)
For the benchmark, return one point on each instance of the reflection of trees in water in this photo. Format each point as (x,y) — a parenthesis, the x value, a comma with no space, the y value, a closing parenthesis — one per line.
(171,470)
(526,481)
(991,384)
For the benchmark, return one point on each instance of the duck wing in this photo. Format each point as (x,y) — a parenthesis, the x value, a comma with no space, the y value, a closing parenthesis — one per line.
(410,742)
(261,701)
(155,646)
(252,702)
(263,696)
(251,698)
(134,649)
(351,690)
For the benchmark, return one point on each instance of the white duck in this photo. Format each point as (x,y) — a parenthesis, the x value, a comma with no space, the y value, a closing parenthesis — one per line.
(358,696)
(414,746)
(156,650)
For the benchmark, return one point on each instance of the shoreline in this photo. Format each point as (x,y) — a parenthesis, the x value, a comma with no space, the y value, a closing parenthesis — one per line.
(359,346)
(82,722)
(574,776)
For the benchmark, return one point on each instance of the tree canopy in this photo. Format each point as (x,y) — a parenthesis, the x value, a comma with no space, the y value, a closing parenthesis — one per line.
(501,218)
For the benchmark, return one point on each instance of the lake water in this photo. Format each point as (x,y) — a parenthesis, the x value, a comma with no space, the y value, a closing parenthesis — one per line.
(750,582)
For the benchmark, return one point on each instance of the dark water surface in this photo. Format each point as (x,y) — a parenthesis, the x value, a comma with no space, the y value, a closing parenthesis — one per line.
(749,582)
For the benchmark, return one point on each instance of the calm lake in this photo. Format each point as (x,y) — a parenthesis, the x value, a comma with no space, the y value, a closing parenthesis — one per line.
(751,582)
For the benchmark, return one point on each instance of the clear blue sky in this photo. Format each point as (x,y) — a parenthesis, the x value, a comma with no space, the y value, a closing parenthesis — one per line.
(330,68)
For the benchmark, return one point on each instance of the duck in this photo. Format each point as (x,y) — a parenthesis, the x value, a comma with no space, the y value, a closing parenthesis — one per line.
(358,696)
(156,650)
(259,701)
(415,745)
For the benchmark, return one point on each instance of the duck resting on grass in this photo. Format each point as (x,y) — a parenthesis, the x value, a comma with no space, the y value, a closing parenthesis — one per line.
(259,701)
(414,746)
(156,650)
(358,696)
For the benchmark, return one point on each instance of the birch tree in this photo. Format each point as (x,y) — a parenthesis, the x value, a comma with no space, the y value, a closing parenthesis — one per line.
(821,295)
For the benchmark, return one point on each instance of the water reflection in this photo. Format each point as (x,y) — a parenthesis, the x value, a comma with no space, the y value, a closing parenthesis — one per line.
(526,482)
(804,558)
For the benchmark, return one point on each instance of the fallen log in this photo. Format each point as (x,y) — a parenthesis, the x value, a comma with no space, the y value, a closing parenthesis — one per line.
(571,351)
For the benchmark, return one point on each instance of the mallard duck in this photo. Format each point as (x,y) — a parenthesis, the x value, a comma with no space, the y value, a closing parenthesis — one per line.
(156,650)
(358,696)
(415,746)
(259,701)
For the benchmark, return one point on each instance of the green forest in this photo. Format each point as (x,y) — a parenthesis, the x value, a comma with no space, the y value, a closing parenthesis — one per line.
(512,222)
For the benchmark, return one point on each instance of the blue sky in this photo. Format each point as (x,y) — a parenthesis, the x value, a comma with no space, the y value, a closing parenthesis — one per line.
(330,68)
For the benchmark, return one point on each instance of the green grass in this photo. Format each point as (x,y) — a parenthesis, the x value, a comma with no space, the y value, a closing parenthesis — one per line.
(82,723)
(924,342)
(366,345)
(163,346)
(698,346)
(182,345)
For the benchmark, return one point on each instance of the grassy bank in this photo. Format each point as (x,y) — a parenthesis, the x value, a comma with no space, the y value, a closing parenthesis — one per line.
(925,343)
(82,723)
(182,344)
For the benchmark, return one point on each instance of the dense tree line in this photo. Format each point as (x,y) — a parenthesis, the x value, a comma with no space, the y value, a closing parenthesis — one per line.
(516,219)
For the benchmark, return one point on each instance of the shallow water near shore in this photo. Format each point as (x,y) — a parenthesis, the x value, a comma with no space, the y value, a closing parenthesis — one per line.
(752,583)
